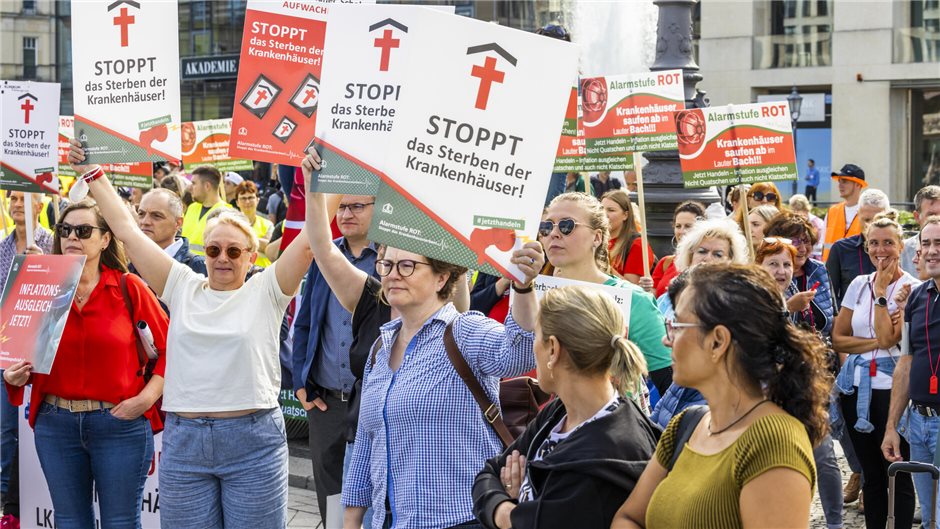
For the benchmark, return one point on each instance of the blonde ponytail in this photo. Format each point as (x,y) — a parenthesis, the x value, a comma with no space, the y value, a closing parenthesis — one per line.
(627,367)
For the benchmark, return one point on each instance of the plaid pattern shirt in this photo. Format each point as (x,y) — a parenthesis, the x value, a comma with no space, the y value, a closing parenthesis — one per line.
(422,438)
(8,250)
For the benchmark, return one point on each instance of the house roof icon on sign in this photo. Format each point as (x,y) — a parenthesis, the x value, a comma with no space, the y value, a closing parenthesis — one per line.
(27,94)
(131,3)
(492,46)
(388,22)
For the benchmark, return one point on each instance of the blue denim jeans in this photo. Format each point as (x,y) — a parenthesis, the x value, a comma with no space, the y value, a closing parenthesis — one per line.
(9,438)
(829,482)
(229,473)
(922,436)
(347,459)
(82,451)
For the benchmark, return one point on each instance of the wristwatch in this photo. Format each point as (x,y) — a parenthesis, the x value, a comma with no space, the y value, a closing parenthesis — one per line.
(881,301)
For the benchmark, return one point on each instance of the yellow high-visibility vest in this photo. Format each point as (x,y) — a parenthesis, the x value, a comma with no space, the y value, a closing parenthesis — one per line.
(194,225)
(262,227)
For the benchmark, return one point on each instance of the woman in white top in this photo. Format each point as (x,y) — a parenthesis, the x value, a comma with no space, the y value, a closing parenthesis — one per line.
(867,331)
(224,460)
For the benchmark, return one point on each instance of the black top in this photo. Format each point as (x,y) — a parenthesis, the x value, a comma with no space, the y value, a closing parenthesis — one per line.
(368,317)
(921,303)
(483,297)
(583,481)
(847,260)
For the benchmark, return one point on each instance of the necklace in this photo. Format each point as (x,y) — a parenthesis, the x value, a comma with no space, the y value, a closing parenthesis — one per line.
(739,419)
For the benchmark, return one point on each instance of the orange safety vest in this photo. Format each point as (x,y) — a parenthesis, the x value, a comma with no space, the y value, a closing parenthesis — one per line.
(835,228)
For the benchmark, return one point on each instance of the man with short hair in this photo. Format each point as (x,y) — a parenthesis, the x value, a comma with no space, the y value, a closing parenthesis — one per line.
(926,204)
(232,181)
(812,180)
(160,217)
(842,219)
(848,258)
(914,387)
(206,197)
(321,369)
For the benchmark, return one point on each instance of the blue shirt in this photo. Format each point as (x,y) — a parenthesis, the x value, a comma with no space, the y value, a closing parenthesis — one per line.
(422,438)
(812,177)
(922,301)
(330,368)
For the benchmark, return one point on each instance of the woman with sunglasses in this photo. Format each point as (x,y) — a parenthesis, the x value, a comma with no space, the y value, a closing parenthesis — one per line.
(746,460)
(224,459)
(777,256)
(93,414)
(759,194)
(575,232)
(868,331)
(683,219)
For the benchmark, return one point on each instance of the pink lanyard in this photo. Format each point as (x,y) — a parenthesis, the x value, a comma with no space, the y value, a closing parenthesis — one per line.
(933,366)
(873,366)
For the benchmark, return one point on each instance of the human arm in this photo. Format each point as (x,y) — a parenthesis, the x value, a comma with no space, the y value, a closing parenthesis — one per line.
(792,495)
(273,250)
(887,328)
(461,297)
(900,396)
(487,291)
(300,347)
(530,259)
(842,339)
(149,259)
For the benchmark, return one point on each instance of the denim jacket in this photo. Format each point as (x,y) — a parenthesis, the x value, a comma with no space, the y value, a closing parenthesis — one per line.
(845,383)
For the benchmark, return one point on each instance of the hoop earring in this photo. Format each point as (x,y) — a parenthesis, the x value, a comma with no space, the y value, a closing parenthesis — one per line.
(675,242)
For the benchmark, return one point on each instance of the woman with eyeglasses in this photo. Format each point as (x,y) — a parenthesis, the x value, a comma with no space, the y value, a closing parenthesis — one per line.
(683,219)
(224,459)
(868,331)
(746,460)
(93,414)
(246,197)
(576,233)
(625,246)
(777,256)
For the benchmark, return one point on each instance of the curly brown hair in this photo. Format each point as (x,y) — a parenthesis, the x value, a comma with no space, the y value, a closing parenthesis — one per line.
(792,226)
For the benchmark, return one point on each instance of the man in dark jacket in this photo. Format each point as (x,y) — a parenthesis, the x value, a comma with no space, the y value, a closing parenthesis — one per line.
(848,257)
(160,217)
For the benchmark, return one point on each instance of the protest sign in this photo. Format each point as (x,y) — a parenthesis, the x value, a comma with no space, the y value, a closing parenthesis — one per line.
(126,80)
(474,143)
(278,87)
(28,122)
(621,296)
(570,155)
(36,299)
(206,143)
(139,174)
(736,144)
(36,508)
(360,91)
(623,114)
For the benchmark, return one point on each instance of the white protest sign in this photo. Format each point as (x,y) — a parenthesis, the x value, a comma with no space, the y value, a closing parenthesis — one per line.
(125,70)
(621,296)
(474,142)
(360,91)
(30,124)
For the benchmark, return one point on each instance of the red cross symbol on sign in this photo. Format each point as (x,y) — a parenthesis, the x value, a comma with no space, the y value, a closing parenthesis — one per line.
(285,129)
(124,20)
(309,94)
(27,106)
(488,75)
(262,95)
(386,43)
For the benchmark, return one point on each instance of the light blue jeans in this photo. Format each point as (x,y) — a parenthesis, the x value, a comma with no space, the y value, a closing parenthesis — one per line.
(347,459)
(829,483)
(922,436)
(229,473)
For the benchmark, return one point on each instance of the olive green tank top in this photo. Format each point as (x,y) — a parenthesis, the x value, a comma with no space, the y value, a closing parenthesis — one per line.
(703,491)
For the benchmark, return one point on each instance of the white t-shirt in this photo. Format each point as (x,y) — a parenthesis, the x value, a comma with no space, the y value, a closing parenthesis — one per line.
(860,299)
(222,346)
(850,213)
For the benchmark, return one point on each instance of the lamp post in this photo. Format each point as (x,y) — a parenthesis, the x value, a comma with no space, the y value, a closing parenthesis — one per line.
(795,101)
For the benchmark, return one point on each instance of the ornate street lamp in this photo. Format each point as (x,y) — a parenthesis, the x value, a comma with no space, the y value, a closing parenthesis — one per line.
(795,101)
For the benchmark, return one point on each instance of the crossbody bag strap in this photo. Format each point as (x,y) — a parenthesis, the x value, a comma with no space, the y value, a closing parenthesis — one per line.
(141,354)
(489,409)
(687,424)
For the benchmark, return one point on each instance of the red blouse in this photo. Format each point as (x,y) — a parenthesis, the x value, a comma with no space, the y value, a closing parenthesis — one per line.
(97,356)
(663,275)
(634,262)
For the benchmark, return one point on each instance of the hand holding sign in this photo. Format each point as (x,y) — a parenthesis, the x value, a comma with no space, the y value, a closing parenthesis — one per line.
(310,164)
(530,259)
(17,374)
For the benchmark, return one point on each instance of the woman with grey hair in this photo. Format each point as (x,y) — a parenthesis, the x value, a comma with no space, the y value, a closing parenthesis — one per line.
(712,240)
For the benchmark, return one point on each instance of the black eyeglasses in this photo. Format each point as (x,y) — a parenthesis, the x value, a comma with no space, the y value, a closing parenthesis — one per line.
(355,209)
(82,231)
(405,267)
(760,196)
(565,226)
(232,252)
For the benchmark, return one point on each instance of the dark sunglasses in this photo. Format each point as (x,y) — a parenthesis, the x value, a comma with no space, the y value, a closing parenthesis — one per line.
(405,267)
(565,227)
(231,252)
(82,231)
(760,196)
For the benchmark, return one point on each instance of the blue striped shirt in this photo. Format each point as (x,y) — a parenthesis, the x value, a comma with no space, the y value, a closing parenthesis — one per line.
(422,438)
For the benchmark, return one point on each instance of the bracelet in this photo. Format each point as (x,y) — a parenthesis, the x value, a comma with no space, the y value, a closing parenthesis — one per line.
(523,290)
(93,175)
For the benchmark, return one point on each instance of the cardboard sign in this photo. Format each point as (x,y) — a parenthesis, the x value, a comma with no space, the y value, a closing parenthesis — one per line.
(473,146)
(206,143)
(37,297)
(736,144)
(278,89)
(621,296)
(623,114)
(36,508)
(360,92)
(139,175)
(125,68)
(28,123)
(570,155)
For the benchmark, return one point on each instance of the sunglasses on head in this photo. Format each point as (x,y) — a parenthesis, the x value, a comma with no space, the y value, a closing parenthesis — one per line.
(565,227)
(231,252)
(82,231)
(760,196)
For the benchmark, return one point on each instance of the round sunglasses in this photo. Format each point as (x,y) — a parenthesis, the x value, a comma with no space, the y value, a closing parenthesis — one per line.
(760,196)
(565,226)
(231,252)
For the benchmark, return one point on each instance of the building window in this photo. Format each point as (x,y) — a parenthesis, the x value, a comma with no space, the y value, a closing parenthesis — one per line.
(917,31)
(793,33)
(29,7)
(925,137)
(29,57)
